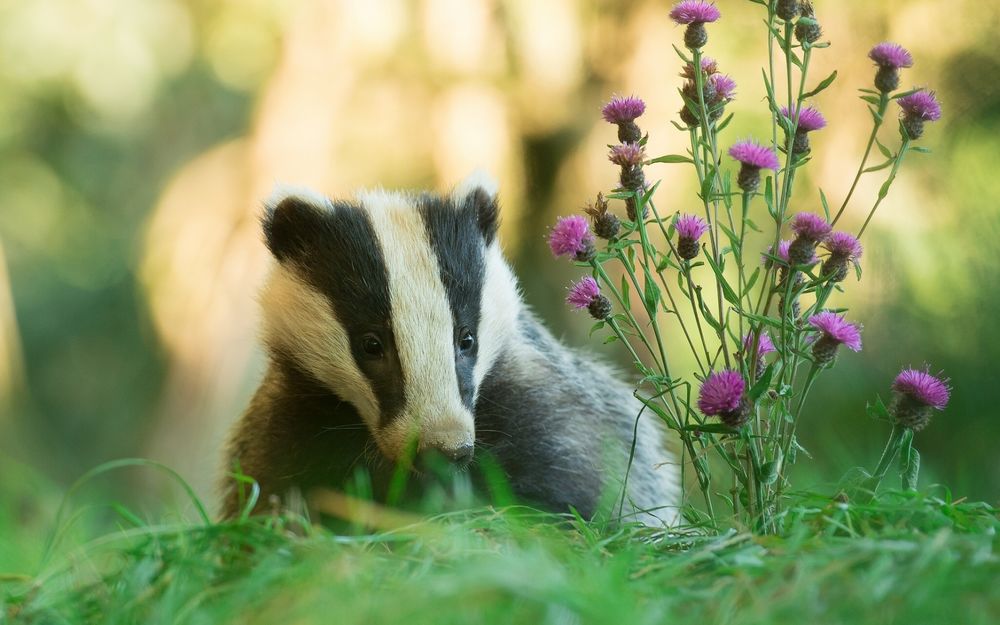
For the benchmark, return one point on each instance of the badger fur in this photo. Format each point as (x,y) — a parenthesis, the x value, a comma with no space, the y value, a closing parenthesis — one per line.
(392,320)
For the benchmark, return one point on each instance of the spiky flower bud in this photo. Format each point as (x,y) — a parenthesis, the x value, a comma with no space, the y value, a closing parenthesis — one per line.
(787,9)
(915,395)
(807,29)
(606,224)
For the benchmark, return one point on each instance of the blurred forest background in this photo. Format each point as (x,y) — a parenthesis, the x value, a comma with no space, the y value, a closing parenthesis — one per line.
(138,137)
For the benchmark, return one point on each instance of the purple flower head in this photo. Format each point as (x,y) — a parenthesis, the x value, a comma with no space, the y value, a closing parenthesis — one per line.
(836,330)
(623,110)
(570,236)
(721,392)
(810,119)
(765,345)
(694,12)
(708,66)
(783,247)
(843,245)
(810,226)
(725,86)
(891,55)
(627,154)
(690,227)
(583,293)
(921,105)
(923,388)
(753,154)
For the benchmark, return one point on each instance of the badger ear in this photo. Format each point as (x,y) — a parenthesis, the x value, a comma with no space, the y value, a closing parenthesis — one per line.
(293,219)
(478,195)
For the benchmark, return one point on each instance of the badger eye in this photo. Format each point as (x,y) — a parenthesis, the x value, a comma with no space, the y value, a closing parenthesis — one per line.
(467,342)
(371,345)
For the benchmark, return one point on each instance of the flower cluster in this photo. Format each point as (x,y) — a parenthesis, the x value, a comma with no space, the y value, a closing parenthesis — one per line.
(629,155)
(750,329)
(717,91)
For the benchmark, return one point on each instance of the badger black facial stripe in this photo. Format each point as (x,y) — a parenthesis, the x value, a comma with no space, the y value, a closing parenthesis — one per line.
(423,326)
(345,264)
(455,236)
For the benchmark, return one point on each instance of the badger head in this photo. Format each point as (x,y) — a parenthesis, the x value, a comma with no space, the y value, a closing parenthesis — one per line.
(397,303)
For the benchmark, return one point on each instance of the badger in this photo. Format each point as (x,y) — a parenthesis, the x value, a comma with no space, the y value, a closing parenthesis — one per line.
(393,325)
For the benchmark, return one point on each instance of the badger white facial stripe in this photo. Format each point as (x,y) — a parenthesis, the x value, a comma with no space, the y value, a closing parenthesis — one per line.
(423,327)
(457,242)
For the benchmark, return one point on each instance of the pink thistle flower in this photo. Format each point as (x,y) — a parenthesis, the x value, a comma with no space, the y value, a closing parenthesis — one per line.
(921,104)
(724,86)
(752,157)
(622,110)
(708,67)
(571,237)
(765,345)
(919,107)
(627,155)
(835,331)
(810,119)
(755,155)
(891,55)
(587,294)
(694,12)
(923,387)
(810,226)
(722,395)
(915,394)
(782,253)
(844,245)
(844,249)
(689,228)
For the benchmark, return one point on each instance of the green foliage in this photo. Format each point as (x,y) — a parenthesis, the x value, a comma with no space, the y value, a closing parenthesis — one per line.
(909,558)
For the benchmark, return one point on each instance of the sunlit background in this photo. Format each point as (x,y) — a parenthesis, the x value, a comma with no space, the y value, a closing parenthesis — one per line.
(138,137)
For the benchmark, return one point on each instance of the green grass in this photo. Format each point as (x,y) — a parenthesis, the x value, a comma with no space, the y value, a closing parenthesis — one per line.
(908,558)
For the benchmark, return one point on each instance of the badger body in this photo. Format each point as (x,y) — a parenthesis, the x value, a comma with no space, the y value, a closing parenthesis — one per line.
(392,322)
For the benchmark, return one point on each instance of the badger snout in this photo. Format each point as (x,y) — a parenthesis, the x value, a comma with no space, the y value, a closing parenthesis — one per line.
(456,453)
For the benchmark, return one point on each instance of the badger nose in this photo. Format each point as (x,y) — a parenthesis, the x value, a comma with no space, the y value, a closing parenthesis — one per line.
(457,456)
(461,455)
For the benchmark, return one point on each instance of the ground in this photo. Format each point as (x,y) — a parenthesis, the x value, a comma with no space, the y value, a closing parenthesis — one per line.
(908,558)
